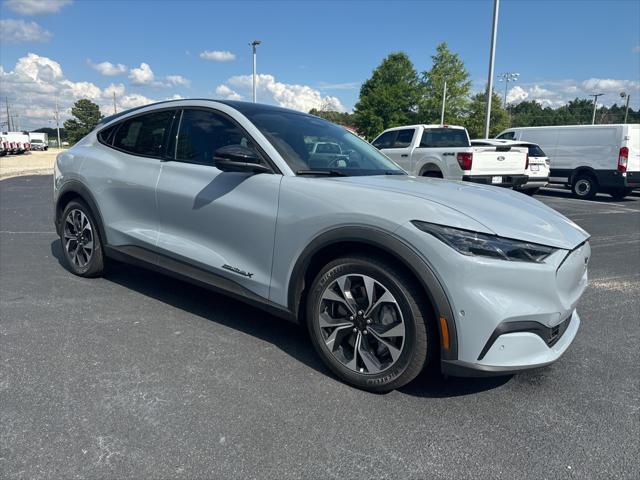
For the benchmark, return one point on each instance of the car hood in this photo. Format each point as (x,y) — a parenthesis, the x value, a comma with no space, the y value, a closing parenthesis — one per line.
(502,211)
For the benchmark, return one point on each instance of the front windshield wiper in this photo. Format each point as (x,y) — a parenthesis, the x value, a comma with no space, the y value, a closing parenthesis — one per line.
(324,173)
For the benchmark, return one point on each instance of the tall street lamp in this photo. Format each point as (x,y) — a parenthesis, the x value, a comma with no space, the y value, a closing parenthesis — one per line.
(506,78)
(595,105)
(492,56)
(254,44)
(626,110)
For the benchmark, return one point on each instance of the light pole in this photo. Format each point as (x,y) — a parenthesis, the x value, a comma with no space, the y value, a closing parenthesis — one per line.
(626,110)
(58,123)
(595,105)
(254,44)
(492,55)
(444,100)
(506,78)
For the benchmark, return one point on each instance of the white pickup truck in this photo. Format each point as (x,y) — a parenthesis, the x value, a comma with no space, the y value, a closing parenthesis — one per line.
(444,151)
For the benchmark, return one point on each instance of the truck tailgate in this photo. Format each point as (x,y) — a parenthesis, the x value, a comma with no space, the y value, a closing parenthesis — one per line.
(489,161)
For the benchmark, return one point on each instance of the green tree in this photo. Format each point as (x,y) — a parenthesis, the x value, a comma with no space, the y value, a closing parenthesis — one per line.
(341,118)
(475,118)
(446,67)
(86,117)
(389,98)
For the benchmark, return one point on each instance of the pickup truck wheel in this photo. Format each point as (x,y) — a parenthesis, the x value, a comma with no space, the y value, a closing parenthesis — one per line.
(432,174)
(531,191)
(585,186)
(369,323)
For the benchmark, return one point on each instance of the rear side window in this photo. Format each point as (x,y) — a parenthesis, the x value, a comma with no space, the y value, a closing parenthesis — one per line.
(202,132)
(145,134)
(404,138)
(444,138)
(106,135)
(534,150)
(385,140)
(507,136)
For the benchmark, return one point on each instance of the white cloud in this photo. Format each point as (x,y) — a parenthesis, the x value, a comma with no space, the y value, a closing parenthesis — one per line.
(178,80)
(338,86)
(109,69)
(297,97)
(555,93)
(226,93)
(35,82)
(217,55)
(19,31)
(35,7)
(142,75)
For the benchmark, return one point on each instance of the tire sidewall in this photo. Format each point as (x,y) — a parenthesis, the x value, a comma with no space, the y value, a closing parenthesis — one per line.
(94,266)
(386,379)
(593,187)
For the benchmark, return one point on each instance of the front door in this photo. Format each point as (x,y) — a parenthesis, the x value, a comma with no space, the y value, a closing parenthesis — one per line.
(220,222)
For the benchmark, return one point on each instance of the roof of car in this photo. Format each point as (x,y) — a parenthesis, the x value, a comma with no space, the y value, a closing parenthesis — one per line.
(242,107)
(500,141)
(455,127)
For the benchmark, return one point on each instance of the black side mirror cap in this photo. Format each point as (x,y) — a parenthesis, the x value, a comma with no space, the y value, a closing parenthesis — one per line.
(236,158)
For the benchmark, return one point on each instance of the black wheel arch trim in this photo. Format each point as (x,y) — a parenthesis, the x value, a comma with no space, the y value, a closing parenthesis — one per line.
(78,188)
(393,246)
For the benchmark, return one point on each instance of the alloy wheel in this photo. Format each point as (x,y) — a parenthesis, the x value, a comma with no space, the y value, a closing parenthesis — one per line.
(78,238)
(361,323)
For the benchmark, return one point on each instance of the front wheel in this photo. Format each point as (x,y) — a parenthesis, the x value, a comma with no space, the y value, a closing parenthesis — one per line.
(369,323)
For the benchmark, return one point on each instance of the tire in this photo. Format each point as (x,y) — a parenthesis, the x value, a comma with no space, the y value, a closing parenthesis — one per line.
(80,238)
(432,174)
(620,193)
(389,361)
(531,191)
(585,186)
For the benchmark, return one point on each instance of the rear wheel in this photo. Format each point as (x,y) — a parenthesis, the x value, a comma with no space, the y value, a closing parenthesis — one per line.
(369,323)
(432,174)
(620,193)
(585,186)
(531,191)
(81,241)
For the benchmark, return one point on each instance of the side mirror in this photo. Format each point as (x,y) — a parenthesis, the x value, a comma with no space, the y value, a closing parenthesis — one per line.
(236,158)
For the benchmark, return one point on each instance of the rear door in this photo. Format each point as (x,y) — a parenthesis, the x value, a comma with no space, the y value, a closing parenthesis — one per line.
(443,143)
(124,173)
(399,149)
(632,142)
(222,223)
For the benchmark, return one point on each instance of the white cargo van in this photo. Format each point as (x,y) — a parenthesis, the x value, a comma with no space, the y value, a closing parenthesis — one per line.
(588,158)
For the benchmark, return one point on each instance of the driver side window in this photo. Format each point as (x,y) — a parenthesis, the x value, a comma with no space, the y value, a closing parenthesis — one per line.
(202,132)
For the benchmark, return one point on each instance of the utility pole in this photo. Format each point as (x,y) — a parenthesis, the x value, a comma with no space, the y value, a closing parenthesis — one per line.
(444,100)
(254,44)
(595,106)
(115,110)
(492,55)
(8,115)
(626,110)
(58,123)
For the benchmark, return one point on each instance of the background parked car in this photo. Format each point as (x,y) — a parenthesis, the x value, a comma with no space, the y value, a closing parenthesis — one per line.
(537,169)
(444,151)
(588,158)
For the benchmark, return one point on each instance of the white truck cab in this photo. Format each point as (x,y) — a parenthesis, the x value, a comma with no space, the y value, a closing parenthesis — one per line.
(444,151)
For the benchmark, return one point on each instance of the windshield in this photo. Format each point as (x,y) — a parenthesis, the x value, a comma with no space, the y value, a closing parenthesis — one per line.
(309,144)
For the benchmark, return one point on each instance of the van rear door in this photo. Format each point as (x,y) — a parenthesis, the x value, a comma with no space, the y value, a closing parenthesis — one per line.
(632,142)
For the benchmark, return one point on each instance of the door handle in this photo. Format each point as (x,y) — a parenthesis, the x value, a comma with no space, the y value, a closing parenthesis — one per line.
(404,155)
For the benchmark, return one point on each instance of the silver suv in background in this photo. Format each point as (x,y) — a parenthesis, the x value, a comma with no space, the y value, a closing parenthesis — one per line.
(390,273)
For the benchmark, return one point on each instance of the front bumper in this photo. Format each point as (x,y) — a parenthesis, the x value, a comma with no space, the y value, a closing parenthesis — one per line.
(509,181)
(517,351)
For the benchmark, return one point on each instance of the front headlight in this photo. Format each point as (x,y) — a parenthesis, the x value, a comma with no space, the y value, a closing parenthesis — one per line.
(474,243)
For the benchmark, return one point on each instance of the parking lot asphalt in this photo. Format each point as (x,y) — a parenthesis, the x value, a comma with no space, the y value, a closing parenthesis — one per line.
(137,375)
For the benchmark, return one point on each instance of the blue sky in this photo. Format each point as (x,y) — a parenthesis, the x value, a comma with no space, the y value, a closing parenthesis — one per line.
(312,53)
